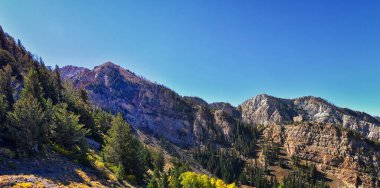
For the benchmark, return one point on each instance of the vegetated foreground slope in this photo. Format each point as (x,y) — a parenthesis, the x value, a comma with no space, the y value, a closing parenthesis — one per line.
(52,136)
(341,142)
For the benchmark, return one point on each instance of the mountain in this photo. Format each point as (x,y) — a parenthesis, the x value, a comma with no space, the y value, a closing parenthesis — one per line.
(149,107)
(265,109)
(51,135)
(343,142)
(157,109)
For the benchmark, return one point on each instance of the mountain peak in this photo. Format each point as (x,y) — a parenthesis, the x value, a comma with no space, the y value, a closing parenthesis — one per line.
(260,97)
(70,71)
(108,64)
(263,95)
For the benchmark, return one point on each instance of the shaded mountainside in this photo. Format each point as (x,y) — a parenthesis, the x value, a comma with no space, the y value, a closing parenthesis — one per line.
(343,142)
(149,107)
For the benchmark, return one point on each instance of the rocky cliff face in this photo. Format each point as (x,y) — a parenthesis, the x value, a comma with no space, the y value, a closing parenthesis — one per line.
(265,109)
(339,152)
(226,107)
(149,107)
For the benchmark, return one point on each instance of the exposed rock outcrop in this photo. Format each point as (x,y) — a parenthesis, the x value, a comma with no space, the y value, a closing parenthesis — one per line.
(335,150)
(265,109)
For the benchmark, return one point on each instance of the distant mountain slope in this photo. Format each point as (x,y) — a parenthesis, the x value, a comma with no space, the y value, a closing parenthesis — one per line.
(149,107)
(159,110)
(265,109)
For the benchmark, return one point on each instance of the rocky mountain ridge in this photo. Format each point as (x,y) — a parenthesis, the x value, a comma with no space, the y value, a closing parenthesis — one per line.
(265,109)
(160,110)
(149,107)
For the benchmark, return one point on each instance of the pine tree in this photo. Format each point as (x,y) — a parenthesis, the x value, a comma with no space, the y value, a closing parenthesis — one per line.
(76,104)
(120,172)
(47,127)
(46,82)
(3,111)
(3,39)
(25,123)
(3,108)
(57,84)
(32,86)
(102,122)
(159,161)
(164,182)
(122,147)
(153,183)
(6,59)
(175,178)
(6,88)
(69,132)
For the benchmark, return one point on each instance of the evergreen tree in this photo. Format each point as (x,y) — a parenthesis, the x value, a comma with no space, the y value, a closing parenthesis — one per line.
(3,39)
(25,123)
(122,147)
(76,104)
(175,181)
(45,78)
(221,162)
(164,182)
(57,84)
(32,86)
(153,183)
(120,172)
(6,59)
(159,161)
(47,127)
(69,132)
(6,88)
(3,109)
(102,122)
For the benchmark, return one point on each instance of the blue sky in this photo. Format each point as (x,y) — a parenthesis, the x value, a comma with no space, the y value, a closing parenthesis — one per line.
(217,50)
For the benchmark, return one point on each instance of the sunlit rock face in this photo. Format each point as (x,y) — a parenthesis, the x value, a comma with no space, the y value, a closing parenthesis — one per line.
(265,109)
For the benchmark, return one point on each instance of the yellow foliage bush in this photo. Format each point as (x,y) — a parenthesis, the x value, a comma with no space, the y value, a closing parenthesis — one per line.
(83,175)
(99,165)
(95,160)
(58,148)
(23,185)
(192,179)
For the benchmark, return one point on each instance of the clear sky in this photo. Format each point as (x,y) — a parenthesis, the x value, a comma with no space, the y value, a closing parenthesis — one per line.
(217,50)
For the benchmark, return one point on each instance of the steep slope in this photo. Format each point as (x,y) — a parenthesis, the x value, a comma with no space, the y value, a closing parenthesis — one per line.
(265,109)
(43,133)
(149,107)
(337,152)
